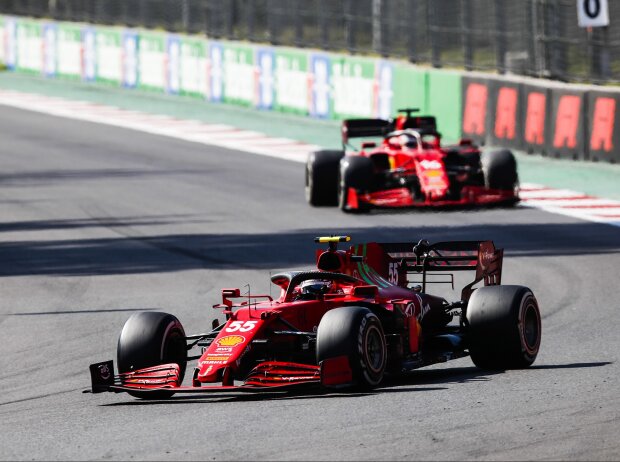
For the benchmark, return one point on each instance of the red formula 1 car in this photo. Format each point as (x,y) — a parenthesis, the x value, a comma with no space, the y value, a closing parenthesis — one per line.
(362,313)
(409,168)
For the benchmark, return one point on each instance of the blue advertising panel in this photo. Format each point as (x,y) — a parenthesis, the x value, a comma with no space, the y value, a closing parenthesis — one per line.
(89,60)
(266,66)
(321,90)
(10,42)
(385,94)
(173,63)
(216,72)
(130,59)
(50,49)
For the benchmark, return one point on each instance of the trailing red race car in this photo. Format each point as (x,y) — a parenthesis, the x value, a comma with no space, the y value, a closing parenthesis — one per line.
(409,168)
(362,314)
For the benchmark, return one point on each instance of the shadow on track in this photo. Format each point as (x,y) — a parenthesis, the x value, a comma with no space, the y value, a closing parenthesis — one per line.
(416,381)
(97,311)
(180,252)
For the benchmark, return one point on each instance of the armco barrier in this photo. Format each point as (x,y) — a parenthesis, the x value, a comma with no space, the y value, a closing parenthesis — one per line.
(603,127)
(568,112)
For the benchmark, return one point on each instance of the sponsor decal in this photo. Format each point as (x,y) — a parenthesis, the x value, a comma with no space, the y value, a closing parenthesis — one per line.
(223,350)
(383,108)
(425,309)
(431,164)
(230,340)
(50,32)
(216,72)
(567,122)
(266,78)
(89,58)
(213,357)
(130,59)
(475,109)
(506,113)
(104,372)
(603,124)
(320,86)
(535,118)
(413,306)
(173,64)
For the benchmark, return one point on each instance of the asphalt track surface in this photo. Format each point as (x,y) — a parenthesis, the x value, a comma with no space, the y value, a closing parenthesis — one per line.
(99,222)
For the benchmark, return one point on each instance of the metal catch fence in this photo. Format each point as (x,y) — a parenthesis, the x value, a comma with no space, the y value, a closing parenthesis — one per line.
(539,38)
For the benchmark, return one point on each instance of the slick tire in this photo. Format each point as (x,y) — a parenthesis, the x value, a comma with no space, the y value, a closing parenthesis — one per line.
(354,332)
(504,327)
(355,172)
(151,338)
(321,182)
(500,169)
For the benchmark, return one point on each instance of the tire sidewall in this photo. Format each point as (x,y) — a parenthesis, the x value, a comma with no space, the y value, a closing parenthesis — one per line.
(355,332)
(148,339)
(526,309)
(499,324)
(370,331)
(500,169)
(321,177)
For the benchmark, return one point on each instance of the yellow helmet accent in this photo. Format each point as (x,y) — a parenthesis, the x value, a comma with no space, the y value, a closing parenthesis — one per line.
(328,239)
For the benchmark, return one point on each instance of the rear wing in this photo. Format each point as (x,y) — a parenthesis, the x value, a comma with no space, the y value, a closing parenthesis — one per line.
(366,128)
(362,128)
(397,261)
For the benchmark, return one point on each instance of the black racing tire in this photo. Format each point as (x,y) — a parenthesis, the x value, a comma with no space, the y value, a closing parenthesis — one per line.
(355,172)
(504,327)
(357,333)
(500,169)
(151,338)
(321,179)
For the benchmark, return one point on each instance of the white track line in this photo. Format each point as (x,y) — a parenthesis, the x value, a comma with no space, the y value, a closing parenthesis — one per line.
(571,203)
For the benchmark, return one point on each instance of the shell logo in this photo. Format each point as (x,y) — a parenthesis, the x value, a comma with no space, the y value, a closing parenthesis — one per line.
(231,340)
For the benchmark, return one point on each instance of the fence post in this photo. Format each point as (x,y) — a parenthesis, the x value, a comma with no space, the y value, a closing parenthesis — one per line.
(412,48)
(377,37)
(323,32)
(299,29)
(500,30)
(434,37)
(349,26)
(466,31)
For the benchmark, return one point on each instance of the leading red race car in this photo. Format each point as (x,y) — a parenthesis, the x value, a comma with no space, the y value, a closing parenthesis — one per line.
(409,168)
(363,313)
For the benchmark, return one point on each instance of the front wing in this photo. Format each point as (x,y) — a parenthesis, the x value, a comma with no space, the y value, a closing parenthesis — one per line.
(402,197)
(266,376)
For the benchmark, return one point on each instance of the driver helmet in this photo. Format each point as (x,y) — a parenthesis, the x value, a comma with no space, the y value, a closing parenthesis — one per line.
(315,287)
(408,140)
